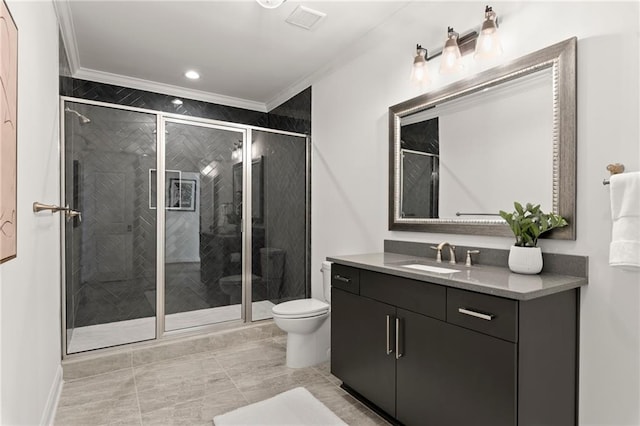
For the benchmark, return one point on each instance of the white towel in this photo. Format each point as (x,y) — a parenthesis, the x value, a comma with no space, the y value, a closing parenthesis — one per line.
(624,250)
(296,407)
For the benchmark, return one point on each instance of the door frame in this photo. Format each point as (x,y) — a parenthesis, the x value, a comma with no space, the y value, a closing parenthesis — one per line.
(161,119)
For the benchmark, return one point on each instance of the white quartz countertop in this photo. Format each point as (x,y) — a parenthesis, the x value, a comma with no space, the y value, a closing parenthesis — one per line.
(494,280)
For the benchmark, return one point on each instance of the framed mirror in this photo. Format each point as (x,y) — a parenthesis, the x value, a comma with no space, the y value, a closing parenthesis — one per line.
(460,154)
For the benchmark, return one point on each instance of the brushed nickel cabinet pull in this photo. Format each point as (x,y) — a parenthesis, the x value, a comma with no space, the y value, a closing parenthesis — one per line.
(487,317)
(398,351)
(389,348)
(341,278)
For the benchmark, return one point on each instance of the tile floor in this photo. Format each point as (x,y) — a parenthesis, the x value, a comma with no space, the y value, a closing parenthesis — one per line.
(137,330)
(191,389)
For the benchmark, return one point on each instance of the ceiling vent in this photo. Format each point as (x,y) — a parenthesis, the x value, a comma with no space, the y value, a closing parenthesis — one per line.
(305,17)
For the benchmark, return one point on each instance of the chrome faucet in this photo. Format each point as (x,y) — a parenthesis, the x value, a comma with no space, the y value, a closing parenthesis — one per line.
(452,252)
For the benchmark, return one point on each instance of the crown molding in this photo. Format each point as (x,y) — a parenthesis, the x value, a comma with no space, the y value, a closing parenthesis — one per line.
(63,12)
(167,89)
(290,92)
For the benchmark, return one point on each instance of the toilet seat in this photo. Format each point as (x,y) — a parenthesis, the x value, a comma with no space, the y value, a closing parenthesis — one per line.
(301,308)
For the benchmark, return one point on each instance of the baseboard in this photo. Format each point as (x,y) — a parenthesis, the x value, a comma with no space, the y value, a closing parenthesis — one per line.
(49,413)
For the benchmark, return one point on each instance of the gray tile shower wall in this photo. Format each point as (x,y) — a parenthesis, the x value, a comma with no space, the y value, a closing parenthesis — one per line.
(110,93)
(89,304)
(284,175)
(422,136)
(293,115)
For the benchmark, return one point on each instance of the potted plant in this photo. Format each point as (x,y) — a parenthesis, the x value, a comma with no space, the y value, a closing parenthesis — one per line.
(528,223)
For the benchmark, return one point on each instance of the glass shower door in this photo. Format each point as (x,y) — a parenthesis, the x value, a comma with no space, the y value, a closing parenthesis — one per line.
(203,219)
(110,254)
(279,206)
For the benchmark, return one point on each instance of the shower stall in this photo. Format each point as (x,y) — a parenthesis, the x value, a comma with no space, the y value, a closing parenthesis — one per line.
(185,223)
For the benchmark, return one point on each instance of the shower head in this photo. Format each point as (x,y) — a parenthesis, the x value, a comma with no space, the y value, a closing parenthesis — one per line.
(83,118)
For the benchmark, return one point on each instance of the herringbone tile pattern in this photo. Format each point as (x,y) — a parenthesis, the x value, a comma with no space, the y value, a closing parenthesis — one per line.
(284,164)
(417,186)
(111,256)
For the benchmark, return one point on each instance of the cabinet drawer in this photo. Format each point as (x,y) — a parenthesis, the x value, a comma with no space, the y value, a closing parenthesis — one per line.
(416,296)
(487,314)
(345,278)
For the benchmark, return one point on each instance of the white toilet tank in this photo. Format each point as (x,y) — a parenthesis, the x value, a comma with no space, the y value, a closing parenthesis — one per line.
(326,280)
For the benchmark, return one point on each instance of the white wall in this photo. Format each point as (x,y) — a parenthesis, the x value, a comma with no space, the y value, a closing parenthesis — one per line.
(350,164)
(30,298)
(465,133)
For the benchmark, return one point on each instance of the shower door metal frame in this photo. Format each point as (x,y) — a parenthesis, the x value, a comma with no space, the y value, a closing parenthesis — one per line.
(160,300)
(161,119)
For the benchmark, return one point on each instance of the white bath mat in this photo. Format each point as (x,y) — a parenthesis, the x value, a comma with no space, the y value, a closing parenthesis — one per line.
(294,407)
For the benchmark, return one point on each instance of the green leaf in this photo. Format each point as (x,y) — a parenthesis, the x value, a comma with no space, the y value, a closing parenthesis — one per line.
(529,222)
(519,208)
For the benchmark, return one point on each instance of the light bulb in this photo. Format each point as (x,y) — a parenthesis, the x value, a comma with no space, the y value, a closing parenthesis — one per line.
(450,63)
(420,70)
(488,45)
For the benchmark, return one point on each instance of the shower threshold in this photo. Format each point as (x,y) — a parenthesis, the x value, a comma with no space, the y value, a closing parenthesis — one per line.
(137,330)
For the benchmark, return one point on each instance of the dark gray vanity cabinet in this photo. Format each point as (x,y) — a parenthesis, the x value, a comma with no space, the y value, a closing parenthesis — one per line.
(450,376)
(428,354)
(358,347)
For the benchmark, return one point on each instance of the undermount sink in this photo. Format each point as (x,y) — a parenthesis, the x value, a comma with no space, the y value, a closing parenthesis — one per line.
(428,268)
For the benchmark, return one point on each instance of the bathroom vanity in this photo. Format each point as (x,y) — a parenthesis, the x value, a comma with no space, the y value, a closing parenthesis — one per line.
(479,346)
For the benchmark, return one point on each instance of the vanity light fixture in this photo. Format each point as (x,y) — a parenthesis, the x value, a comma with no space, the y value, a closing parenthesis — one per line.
(177,102)
(420,70)
(488,45)
(270,4)
(451,61)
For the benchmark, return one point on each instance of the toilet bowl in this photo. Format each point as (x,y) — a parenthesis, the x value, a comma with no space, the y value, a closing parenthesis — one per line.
(307,324)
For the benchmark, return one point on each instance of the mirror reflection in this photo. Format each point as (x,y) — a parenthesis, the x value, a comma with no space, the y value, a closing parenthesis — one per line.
(473,156)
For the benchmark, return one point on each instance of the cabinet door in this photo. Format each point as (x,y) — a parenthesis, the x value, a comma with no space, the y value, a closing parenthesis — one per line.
(359,347)
(451,376)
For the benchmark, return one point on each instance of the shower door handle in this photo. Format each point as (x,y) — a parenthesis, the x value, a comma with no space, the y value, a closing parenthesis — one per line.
(73,213)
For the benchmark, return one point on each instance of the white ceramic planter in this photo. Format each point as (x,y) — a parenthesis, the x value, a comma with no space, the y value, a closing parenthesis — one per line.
(525,260)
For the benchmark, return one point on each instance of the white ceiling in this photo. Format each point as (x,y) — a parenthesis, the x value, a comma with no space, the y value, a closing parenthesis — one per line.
(247,56)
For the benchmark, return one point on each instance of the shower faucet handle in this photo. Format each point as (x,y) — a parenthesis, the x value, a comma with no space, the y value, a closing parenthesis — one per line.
(69,213)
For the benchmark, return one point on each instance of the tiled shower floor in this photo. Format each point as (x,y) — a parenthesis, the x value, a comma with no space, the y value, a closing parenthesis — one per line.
(140,329)
(192,389)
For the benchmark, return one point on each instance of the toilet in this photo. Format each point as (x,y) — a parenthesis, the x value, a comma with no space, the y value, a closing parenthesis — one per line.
(307,324)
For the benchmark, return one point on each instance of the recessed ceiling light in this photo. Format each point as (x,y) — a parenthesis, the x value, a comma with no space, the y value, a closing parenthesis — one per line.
(270,4)
(177,101)
(192,75)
